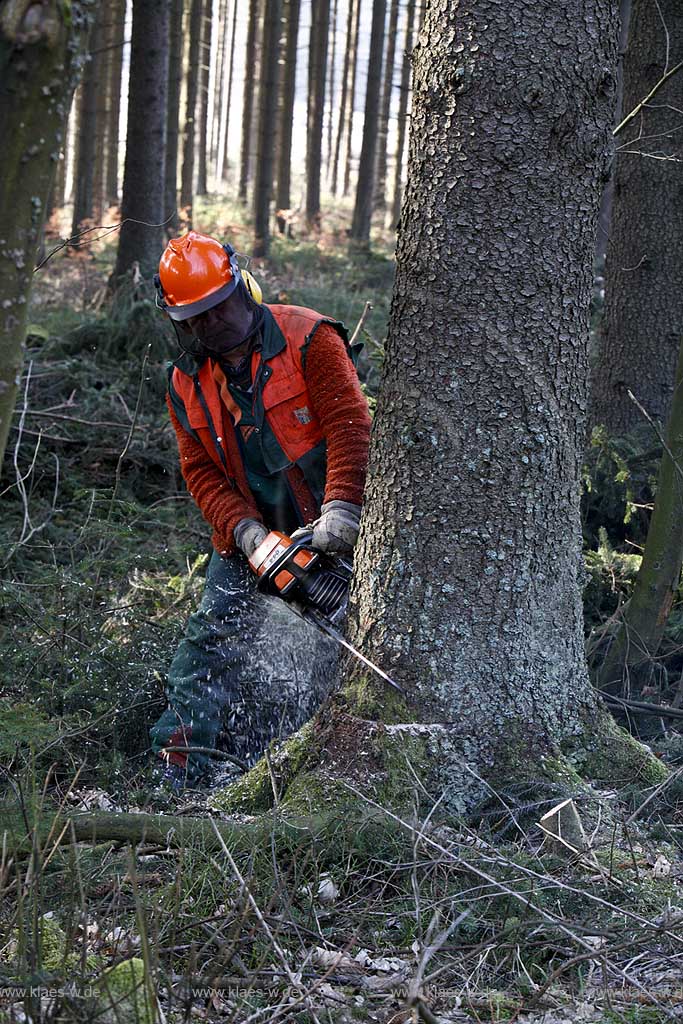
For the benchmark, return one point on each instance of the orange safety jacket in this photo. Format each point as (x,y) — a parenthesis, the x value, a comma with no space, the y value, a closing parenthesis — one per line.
(281,398)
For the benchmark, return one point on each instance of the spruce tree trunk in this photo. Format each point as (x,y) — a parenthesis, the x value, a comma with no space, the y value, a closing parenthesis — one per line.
(218,91)
(231,71)
(86,144)
(175,78)
(402,119)
(317,67)
(284,168)
(203,99)
(344,95)
(643,316)
(352,99)
(631,657)
(467,572)
(362,214)
(265,149)
(385,110)
(117,15)
(248,99)
(191,108)
(40,60)
(142,206)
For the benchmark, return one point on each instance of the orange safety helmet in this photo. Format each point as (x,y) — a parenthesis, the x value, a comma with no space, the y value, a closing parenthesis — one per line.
(196,272)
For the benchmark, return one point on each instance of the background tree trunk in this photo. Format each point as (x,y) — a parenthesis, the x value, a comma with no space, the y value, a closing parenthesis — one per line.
(643,316)
(142,234)
(331,91)
(175,78)
(352,99)
(40,60)
(203,98)
(631,656)
(117,14)
(362,214)
(283,197)
(402,119)
(385,110)
(344,95)
(317,66)
(248,99)
(469,553)
(191,80)
(263,184)
(231,69)
(86,144)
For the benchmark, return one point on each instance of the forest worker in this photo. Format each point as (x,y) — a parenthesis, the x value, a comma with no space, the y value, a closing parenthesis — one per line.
(273,432)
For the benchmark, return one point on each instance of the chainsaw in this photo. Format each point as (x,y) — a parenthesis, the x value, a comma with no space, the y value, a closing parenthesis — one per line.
(314,584)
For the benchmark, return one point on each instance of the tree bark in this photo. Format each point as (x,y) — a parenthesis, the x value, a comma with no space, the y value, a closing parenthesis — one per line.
(84,190)
(467,588)
(40,58)
(630,660)
(344,95)
(175,78)
(352,99)
(118,17)
(191,79)
(142,206)
(248,98)
(402,119)
(203,116)
(283,197)
(317,66)
(265,149)
(643,315)
(362,214)
(385,110)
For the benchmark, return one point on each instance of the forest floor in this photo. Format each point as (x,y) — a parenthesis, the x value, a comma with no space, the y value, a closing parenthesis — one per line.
(356,918)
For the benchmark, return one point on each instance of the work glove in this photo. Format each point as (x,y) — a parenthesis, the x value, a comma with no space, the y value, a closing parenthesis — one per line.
(248,535)
(336,531)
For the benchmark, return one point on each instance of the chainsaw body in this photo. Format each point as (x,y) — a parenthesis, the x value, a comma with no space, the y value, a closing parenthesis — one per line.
(290,568)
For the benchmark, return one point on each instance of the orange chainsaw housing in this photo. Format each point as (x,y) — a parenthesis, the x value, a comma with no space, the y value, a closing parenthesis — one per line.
(269,550)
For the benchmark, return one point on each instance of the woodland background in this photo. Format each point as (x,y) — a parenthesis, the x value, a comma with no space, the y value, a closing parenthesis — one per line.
(283,128)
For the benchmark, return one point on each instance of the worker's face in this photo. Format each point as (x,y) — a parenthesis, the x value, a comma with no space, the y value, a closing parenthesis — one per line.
(224,328)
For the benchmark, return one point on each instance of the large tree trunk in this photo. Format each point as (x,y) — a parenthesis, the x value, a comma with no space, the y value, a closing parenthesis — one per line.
(317,65)
(631,658)
(203,116)
(40,59)
(467,569)
(175,78)
(192,76)
(263,185)
(86,143)
(385,110)
(248,98)
(142,206)
(362,214)
(643,317)
(402,119)
(344,94)
(283,198)
(117,15)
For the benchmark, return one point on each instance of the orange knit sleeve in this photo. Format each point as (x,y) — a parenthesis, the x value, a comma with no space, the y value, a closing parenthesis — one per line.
(221,504)
(342,409)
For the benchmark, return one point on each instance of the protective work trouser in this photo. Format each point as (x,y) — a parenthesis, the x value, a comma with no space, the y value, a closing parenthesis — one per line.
(247,669)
